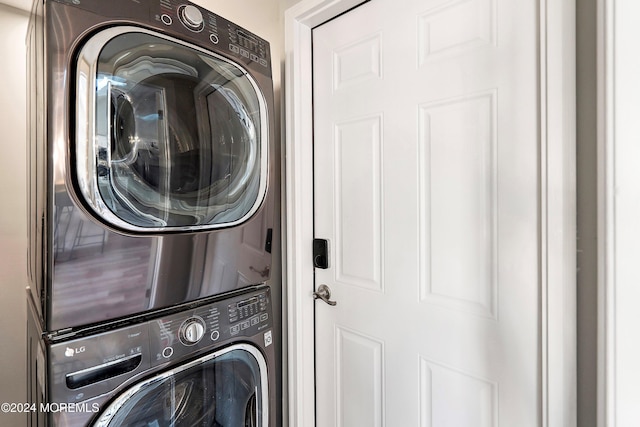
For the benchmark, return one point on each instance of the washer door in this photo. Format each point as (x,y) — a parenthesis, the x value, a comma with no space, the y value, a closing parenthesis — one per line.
(226,388)
(168,136)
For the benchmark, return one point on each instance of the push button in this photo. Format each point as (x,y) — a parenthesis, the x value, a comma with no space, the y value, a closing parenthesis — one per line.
(166,19)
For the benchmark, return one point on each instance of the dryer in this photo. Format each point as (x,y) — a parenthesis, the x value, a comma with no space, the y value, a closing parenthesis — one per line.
(151,152)
(151,181)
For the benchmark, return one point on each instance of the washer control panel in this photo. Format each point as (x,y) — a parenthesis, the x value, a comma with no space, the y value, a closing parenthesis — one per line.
(91,366)
(248,312)
(178,335)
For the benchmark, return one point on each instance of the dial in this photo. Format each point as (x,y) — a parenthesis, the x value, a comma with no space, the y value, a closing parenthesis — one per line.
(191,17)
(192,331)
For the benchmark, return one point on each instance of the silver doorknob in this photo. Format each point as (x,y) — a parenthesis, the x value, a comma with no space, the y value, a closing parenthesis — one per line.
(324,293)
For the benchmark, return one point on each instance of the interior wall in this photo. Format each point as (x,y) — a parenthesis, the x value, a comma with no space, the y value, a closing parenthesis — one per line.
(13,224)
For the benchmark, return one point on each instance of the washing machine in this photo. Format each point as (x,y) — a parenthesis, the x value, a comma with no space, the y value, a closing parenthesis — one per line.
(212,364)
(152,183)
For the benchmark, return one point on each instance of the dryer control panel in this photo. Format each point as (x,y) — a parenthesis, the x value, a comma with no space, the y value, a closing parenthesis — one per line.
(216,32)
(186,21)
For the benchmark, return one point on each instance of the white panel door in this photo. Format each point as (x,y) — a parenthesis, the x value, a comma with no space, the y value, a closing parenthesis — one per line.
(426,151)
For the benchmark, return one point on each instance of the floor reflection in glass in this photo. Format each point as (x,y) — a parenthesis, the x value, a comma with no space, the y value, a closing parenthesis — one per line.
(99,274)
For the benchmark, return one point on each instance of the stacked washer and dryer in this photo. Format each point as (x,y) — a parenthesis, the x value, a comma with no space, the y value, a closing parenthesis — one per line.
(152,217)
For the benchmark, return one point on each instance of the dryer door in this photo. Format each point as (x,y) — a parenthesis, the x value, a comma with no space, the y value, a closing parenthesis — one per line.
(168,136)
(226,388)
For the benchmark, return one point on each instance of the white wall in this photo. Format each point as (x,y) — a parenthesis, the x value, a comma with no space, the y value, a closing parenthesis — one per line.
(13,228)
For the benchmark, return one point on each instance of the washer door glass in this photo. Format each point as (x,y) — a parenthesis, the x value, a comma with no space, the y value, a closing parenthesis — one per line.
(226,389)
(174,136)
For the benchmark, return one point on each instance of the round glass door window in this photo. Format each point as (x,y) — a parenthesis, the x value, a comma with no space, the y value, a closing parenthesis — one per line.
(168,135)
(226,389)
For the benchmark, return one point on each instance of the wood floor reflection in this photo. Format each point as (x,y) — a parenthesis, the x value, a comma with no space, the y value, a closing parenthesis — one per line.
(99,276)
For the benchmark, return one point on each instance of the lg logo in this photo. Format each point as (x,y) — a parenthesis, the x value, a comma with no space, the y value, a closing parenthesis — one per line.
(70,352)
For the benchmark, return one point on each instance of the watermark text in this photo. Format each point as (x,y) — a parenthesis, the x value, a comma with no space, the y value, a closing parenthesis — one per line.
(50,407)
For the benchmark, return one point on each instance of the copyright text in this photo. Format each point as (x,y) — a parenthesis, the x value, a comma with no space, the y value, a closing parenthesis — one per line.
(50,407)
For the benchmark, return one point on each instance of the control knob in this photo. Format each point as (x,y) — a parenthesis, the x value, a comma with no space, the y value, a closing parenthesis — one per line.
(191,17)
(192,331)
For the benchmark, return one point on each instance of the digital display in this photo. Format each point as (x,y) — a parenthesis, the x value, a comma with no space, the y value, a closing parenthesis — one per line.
(247,41)
(253,300)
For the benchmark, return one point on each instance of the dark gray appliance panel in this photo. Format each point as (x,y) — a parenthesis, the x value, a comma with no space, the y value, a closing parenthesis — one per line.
(84,272)
(215,33)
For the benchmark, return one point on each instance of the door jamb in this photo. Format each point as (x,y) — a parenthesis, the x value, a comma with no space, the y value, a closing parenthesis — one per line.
(557,208)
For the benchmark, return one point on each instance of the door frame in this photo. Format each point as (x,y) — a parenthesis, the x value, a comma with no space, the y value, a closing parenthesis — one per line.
(557,208)
(618,210)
